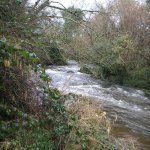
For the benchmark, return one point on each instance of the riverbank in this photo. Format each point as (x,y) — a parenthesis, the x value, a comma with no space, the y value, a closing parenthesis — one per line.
(136,79)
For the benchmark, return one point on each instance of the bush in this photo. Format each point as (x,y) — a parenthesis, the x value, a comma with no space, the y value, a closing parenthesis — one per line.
(139,78)
(50,54)
(107,62)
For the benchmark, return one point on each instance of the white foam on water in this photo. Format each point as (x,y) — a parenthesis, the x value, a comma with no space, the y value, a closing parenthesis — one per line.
(130,104)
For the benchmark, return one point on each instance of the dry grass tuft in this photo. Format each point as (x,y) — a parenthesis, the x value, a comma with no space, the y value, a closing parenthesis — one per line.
(89,114)
(127,143)
(93,123)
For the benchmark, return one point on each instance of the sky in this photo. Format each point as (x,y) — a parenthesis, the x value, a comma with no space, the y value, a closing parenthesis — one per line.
(83,4)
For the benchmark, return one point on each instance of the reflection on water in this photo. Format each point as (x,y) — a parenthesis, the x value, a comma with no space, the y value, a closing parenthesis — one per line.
(130,105)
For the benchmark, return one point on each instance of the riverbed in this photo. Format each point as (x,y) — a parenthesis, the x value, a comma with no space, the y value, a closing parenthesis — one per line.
(130,105)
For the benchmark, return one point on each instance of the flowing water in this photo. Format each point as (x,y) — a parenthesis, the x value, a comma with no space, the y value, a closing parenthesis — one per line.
(130,105)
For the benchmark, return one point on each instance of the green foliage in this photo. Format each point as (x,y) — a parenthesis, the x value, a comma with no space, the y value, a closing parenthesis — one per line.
(50,53)
(27,131)
(31,29)
(22,130)
(100,142)
(8,50)
(12,18)
(124,48)
(139,78)
(107,62)
(73,18)
(128,56)
(118,61)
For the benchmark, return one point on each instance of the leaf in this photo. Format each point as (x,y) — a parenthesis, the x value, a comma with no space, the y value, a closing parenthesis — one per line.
(25,54)
(17,46)
(6,63)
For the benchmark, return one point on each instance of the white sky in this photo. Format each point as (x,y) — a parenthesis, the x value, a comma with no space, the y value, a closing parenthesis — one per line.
(83,4)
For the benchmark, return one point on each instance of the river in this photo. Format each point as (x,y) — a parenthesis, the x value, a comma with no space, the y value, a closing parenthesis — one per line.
(130,105)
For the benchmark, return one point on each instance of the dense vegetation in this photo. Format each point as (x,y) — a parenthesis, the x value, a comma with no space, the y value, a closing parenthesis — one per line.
(115,39)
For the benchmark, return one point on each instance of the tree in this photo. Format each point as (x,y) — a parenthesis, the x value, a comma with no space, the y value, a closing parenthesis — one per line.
(148,2)
(73,17)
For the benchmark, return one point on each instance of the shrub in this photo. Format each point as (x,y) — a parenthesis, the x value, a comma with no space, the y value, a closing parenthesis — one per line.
(50,54)
(139,78)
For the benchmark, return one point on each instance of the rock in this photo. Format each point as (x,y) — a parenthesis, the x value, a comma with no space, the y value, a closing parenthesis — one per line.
(70,71)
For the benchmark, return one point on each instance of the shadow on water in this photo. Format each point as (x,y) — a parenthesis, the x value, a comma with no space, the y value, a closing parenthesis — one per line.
(130,105)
